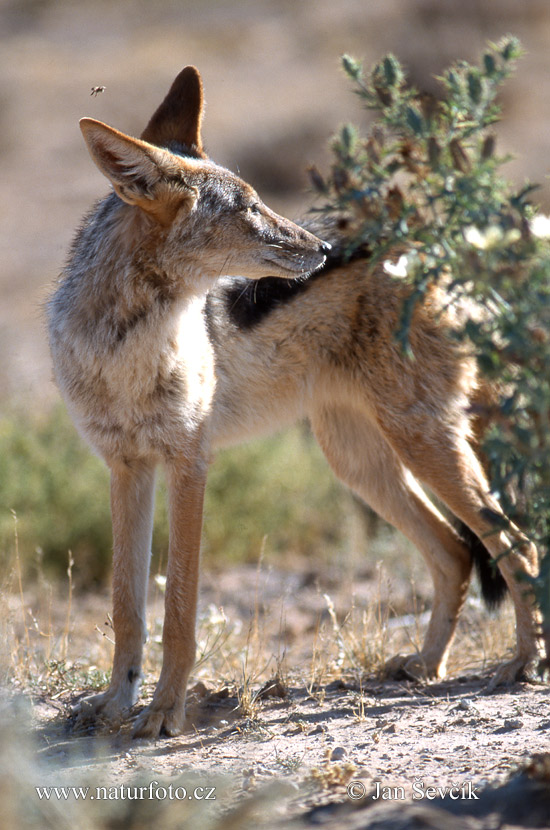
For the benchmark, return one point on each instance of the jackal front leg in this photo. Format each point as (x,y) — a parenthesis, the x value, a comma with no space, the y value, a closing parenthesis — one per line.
(166,712)
(132,496)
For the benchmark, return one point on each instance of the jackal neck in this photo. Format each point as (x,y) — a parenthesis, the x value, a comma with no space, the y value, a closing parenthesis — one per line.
(113,283)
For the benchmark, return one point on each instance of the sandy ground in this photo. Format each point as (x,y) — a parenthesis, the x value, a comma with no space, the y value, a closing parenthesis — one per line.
(323,736)
(330,746)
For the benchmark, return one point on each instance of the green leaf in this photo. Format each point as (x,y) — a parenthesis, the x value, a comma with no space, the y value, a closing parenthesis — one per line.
(414,120)
(348,136)
(392,70)
(352,67)
(474,87)
(510,48)
(489,64)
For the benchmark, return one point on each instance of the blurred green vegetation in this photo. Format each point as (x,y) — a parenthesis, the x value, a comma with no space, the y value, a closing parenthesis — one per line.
(280,488)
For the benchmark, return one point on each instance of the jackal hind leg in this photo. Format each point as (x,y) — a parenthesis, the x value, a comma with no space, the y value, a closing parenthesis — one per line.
(362,459)
(447,464)
(132,498)
(166,712)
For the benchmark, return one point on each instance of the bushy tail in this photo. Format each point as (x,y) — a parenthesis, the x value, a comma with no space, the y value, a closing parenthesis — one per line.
(493,584)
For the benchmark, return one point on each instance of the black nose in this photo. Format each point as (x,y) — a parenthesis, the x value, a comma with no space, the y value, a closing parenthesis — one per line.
(325,247)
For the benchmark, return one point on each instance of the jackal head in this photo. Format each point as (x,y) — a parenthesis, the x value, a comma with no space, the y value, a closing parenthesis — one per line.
(197,216)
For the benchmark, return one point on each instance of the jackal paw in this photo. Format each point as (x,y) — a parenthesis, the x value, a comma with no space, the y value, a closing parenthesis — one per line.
(519,668)
(155,720)
(412,667)
(107,706)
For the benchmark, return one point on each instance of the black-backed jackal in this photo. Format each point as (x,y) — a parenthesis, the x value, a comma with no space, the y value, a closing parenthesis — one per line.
(163,356)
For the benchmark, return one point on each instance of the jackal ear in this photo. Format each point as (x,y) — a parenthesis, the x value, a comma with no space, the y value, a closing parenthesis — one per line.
(135,169)
(178,120)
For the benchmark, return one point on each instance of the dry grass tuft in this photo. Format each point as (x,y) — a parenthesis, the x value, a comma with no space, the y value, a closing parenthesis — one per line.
(47,649)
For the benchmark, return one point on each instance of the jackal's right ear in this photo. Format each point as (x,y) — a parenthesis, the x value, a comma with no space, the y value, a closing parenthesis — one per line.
(178,120)
(136,169)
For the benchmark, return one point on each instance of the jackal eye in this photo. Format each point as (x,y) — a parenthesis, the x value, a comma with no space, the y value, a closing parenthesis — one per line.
(254,208)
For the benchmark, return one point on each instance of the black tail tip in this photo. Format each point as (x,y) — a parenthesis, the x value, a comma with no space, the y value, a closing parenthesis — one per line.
(492,583)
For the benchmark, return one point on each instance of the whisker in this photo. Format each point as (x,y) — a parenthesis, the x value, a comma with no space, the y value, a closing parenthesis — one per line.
(222,272)
(239,296)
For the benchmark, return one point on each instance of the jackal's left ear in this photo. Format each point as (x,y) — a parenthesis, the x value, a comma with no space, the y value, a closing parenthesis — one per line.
(137,170)
(178,120)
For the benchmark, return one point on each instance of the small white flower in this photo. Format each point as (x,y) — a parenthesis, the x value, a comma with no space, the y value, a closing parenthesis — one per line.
(488,238)
(540,226)
(404,265)
(511,236)
(474,237)
(215,616)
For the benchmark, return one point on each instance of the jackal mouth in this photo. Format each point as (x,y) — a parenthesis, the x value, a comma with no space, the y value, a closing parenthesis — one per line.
(294,261)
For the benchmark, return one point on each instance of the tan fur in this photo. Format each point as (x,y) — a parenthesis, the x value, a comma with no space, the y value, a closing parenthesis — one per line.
(155,368)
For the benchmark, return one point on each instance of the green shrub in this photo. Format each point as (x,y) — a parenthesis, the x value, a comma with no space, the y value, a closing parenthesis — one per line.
(280,487)
(59,492)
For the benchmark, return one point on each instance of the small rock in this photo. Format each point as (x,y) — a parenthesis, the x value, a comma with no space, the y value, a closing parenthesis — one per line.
(221,694)
(273,688)
(466,704)
(199,690)
(508,726)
